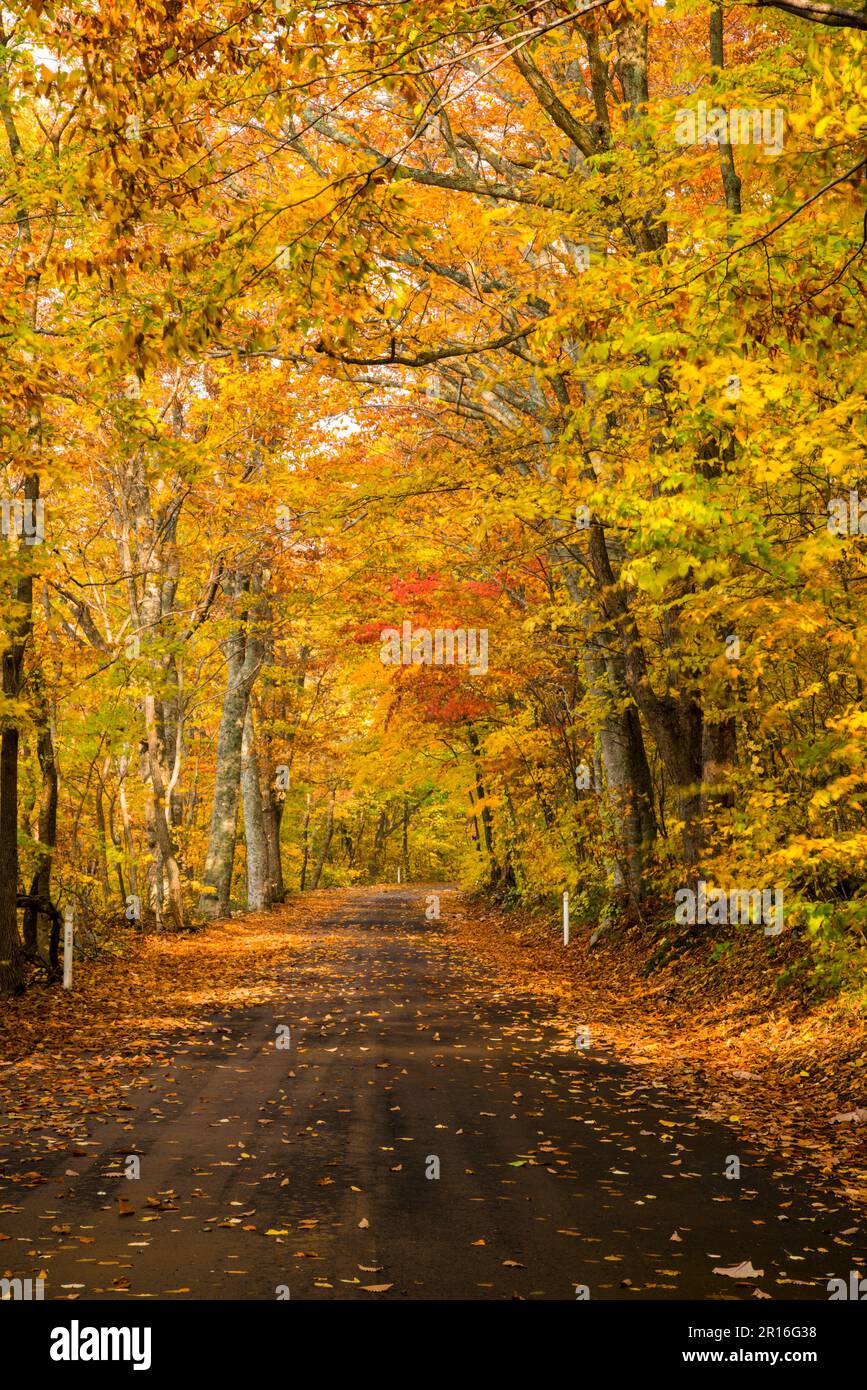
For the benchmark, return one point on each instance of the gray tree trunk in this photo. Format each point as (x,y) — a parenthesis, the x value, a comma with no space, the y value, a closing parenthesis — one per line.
(628,787)
(243,649)
(258,876)
(102,830)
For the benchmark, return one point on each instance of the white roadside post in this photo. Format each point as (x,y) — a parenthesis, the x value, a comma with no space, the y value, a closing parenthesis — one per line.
(67,947)
(566,918)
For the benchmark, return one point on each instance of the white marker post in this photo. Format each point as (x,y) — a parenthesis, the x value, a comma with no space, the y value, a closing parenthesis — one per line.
(67,947)
(566,918)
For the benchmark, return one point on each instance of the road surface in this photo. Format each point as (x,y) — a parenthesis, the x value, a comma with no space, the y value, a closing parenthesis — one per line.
(424,1135)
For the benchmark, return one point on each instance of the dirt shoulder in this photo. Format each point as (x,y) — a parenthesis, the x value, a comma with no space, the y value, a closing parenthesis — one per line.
(744,1048)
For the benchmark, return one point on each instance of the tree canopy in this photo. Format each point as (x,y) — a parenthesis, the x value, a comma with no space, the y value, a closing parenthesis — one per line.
(528,327)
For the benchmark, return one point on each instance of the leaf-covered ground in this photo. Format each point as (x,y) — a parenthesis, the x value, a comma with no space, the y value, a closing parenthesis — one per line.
(306,1170)
(68,1059)
(750,1050)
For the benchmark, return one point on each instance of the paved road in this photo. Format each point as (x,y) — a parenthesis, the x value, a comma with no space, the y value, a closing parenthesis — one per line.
(557,1167)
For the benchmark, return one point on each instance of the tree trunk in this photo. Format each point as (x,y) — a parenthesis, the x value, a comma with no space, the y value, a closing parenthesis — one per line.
(273,803)
(476,837)
(305,843)
(101,831)
(404,848)
(123,764)
(10,944)
(169,896)
(258,877)
(326,843)
(675,722)
(243,653)
(719,755)
(41,885)
(487,822)
(628,785)
(356,843)
(728,172)
(20,627)
(380,839)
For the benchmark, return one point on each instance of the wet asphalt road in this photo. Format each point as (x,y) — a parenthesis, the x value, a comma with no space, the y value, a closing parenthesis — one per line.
(422,1136)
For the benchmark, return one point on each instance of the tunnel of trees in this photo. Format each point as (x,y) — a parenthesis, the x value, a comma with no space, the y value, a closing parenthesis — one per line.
(530,334)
